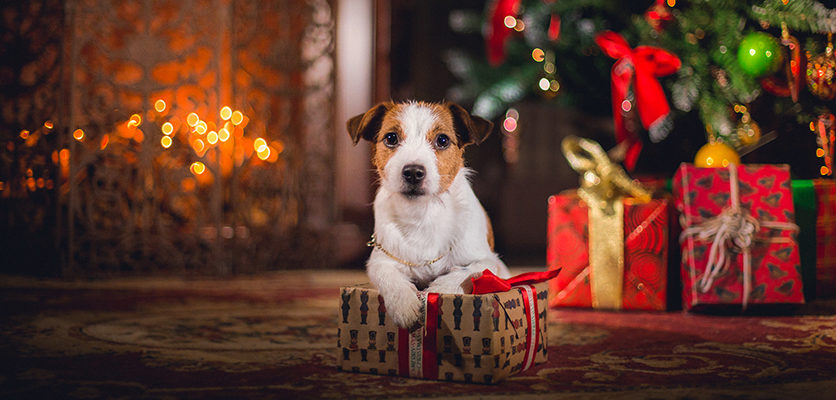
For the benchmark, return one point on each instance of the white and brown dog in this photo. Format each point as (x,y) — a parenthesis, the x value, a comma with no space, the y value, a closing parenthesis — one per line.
(431,232)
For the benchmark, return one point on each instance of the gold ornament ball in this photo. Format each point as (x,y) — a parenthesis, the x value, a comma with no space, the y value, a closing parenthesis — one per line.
(821,75)
(748,133)
(716,155)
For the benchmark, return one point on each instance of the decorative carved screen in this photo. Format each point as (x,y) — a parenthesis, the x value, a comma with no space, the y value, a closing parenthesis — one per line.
(188,136)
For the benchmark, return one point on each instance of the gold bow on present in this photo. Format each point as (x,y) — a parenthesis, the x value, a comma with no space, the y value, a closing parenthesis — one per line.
(603,187)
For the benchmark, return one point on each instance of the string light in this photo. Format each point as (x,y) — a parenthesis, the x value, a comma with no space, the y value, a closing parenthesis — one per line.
(24,134)
(258,143)
(212,137)
(201,127)
(78,134)
(159,105)
(165,141)
(538,54)
(197,168)
(167,128)
(192,119)
(223,134)
(105,141)
(820,152)
(135,121)
(264,152)
(48,124)
(544,84)
(226,113)
(824,171)
(237,117)
(510,21)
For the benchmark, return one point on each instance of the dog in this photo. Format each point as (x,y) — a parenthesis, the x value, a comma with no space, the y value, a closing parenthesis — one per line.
(430,231)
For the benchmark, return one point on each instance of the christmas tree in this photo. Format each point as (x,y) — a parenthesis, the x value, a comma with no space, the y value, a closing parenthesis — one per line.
(657,65)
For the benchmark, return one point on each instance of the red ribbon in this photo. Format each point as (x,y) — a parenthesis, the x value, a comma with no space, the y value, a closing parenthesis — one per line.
(490,283)
(497,32)
(644,64)
(420,344)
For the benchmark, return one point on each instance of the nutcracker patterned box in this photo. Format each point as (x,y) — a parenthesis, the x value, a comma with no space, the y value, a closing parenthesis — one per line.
(480,338)
(640,283)
(739,237)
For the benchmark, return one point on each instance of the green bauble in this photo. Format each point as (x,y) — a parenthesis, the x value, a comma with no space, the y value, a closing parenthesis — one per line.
(759,54)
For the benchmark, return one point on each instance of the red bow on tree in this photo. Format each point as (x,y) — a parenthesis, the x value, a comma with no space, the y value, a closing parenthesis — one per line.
(642,65)
(497,31)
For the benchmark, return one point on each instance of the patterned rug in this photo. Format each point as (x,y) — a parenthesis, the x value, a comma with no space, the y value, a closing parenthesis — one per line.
(274,336)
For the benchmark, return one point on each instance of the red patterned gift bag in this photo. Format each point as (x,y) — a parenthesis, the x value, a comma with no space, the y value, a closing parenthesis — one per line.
(739,239)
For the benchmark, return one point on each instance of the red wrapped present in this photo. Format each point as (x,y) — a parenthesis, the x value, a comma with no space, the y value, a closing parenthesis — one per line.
(739,238)
(612,249)
(825,237)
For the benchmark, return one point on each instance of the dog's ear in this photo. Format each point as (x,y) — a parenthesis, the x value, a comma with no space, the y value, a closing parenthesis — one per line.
(469,128)
(366,125)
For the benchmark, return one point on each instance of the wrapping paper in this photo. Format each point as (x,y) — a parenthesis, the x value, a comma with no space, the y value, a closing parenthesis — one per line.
(704,194)
(480,338)
(645,247)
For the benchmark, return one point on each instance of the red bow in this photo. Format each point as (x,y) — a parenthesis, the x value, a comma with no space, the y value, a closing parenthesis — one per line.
(490,283)
(645,64)
(497,32)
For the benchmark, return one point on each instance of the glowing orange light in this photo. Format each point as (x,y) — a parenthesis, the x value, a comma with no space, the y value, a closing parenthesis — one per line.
(165,141)
(24,134)
(199,145)
(812,126)
(544,84)
(159,105)
(137,119)
(192,119)
(40,182)
(64,156)
(167,128)
(30,182)
(223,135)
(520,26)
(212,137)
(237,117)
(48,124)
(78,134)
(201,127)
(819,152)
(226,113)
(259,143)
(198,168)
(538,54)
(105,140)
(2,186)
(510,21)
(263,152)
(824,171)
(672,3)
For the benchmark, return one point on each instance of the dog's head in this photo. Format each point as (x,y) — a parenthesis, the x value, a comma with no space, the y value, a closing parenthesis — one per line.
(418,147)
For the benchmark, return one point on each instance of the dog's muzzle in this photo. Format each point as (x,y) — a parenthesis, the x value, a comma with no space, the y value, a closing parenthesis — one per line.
(413,177)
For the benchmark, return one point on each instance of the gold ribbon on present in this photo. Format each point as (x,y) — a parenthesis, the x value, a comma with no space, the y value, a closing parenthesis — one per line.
(603,187)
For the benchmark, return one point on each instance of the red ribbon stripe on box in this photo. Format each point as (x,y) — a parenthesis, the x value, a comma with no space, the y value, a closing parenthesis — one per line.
(417,350)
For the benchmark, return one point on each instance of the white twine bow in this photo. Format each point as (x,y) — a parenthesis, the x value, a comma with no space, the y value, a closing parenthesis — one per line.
(736,228)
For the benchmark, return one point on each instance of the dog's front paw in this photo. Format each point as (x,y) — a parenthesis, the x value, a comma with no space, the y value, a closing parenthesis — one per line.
(404,308)
(452,284)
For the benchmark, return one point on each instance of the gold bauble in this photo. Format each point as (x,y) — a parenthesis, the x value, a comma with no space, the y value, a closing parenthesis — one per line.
(716,155)
(748,133)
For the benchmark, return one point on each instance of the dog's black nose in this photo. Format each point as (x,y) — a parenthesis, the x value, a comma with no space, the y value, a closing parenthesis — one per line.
(413,174)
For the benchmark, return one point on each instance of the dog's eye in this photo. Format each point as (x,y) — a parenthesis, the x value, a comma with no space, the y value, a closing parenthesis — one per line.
(390,139)
(442,141)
